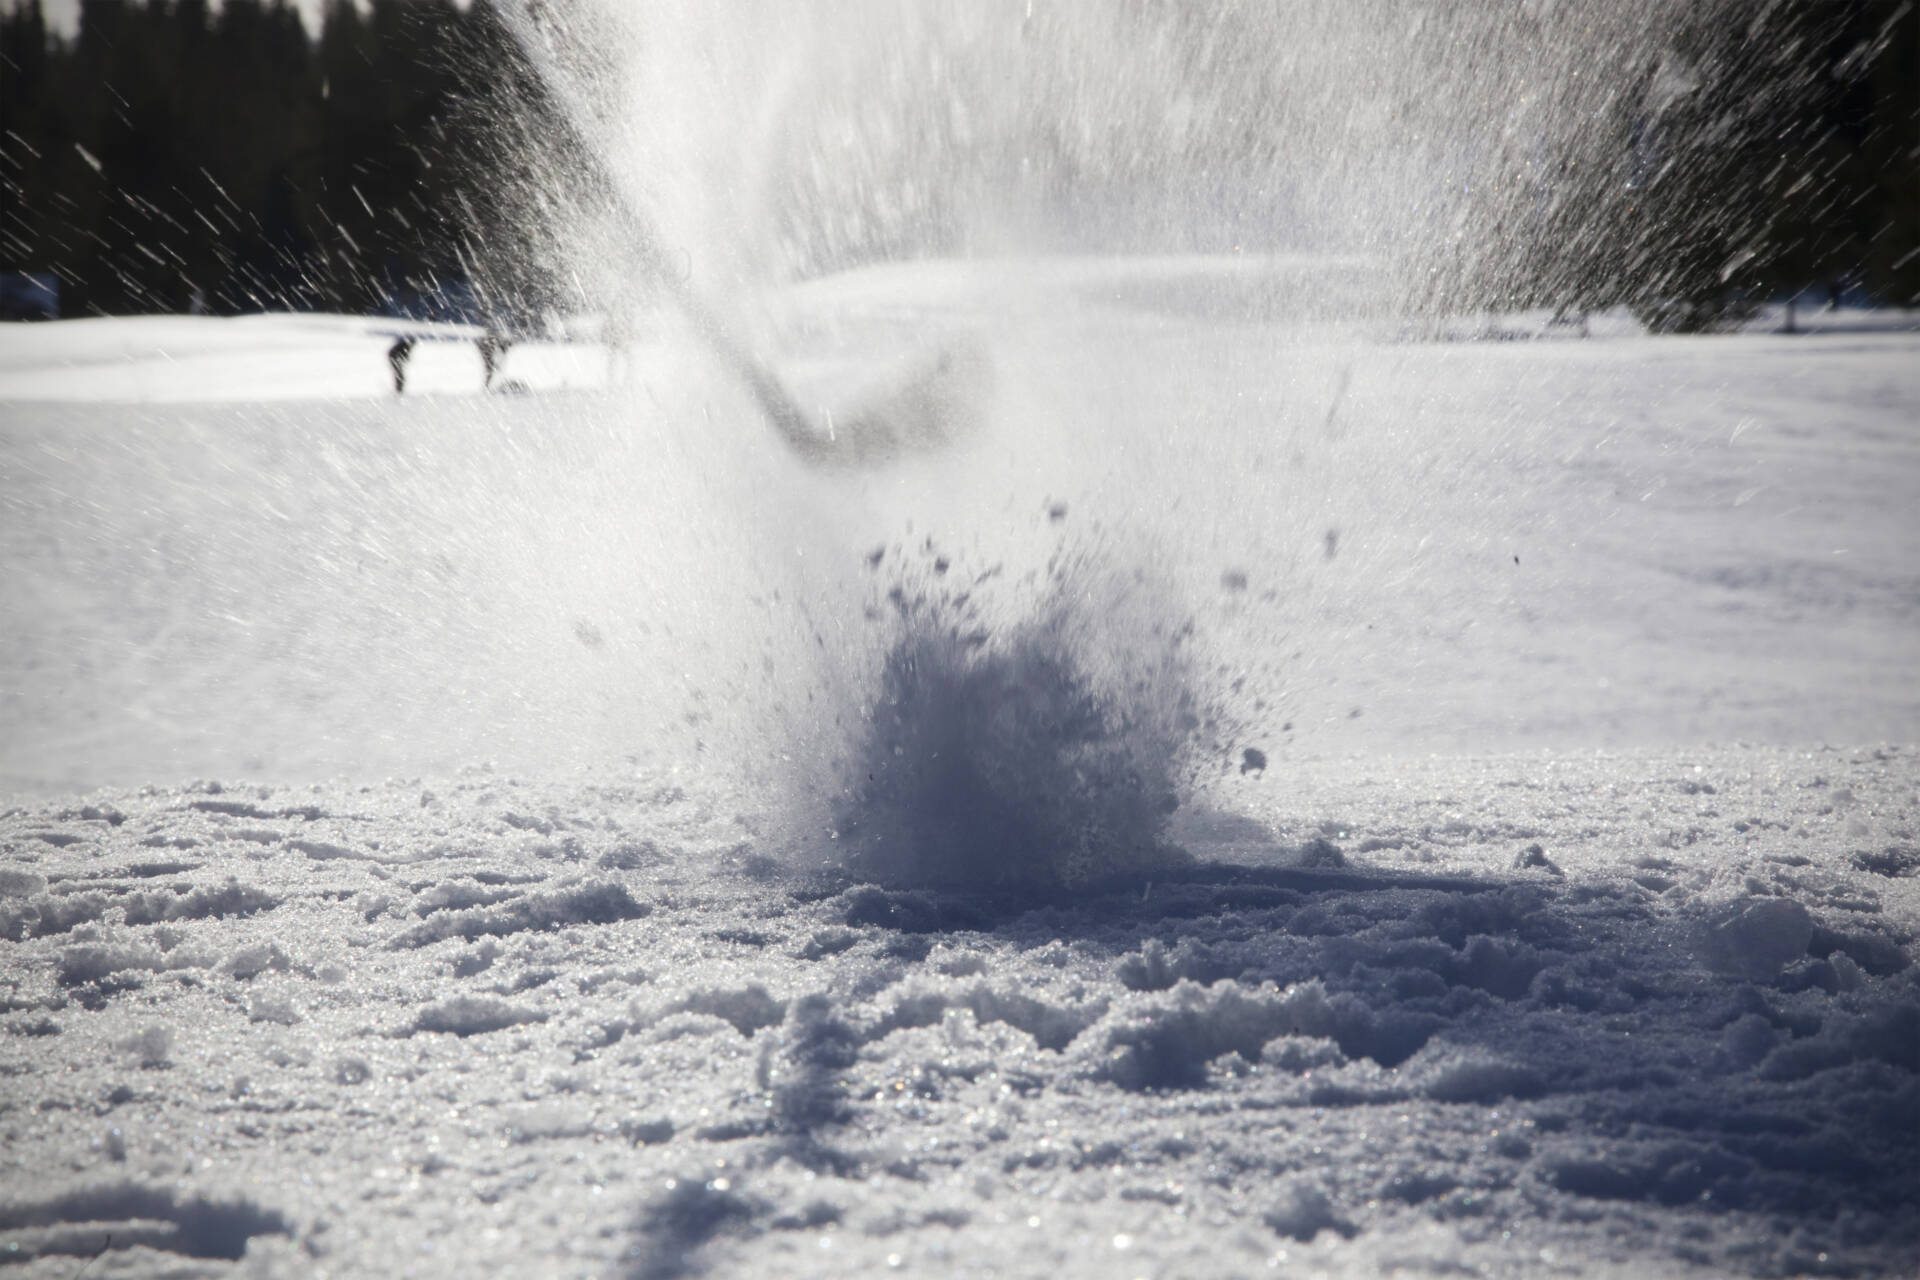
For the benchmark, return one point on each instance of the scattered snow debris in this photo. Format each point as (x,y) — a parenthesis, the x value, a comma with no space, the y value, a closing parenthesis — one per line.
(97,962)
(277,1009)
(1153,968)
(911,911)
(40,1025)
(646,1132)
(1893,861)
(152,1045)
(1302,1211)
(94,813)
(747,1009)
(15,883)
(251,961)
(350,1071)
(326,851)
(820,1213)
(1301,1054)
(1417,1186)
(232,899)
(1497,966)
(632,856)
(1755,938)
(685,1025)
(45,916)
(828,942)
(473,1015)
(593,903)
(1533,856)
(1448,1074)
(759,867)
(958,965)
(1054,955)
(154,870)
(478,960)
(1877,955)
(132,1215)
(1051,1026)
(242,809)
(809,1089)
(457,895)
(1889,1035)
(1168,1045)
(547,1122)
(1320,852)
(755,938)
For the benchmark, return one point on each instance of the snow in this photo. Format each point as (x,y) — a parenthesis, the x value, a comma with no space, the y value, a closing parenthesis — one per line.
(259,358)
(458,833)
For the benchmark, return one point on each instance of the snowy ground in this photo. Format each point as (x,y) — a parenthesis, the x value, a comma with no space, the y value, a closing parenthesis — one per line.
(200,360)
(419,858)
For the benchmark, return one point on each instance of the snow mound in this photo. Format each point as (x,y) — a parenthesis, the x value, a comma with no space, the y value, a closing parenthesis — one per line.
(43,916)
(601,902)
(98,962)
(1756,938)
(1302,1211)
(466,1016)
(1168,1044)
(230,899)
(1474,1075)
(748,1009)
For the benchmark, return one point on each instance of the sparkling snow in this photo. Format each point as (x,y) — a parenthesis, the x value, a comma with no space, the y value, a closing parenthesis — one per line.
(442,834)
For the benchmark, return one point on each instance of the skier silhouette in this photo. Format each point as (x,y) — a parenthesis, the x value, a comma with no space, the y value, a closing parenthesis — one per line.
(493,353)
(397,355)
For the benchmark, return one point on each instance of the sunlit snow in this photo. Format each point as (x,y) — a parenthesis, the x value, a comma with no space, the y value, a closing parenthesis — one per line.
(427,850)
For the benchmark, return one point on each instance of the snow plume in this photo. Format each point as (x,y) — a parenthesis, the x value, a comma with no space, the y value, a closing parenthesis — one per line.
(773,142)
(1046,750)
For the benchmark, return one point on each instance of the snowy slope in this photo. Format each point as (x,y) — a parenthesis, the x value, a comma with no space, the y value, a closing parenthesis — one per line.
(444,825)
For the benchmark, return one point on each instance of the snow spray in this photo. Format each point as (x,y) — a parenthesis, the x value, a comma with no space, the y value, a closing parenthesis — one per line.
(987,703)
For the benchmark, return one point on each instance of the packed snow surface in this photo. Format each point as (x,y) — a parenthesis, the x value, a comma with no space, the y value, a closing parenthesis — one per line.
(1289,794)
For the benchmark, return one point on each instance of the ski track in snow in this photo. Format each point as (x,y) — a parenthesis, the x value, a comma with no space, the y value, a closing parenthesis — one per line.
(1529,928)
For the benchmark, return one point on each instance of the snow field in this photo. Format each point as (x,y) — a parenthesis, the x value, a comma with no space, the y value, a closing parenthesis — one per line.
(599,1033)
(1509,920)
(272,357)
(1381,545)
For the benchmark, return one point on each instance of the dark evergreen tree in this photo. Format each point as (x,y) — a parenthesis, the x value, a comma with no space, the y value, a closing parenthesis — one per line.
(179,152)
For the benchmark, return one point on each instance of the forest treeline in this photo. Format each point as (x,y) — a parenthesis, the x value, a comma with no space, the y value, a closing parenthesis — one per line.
(1769,150)
(174,155)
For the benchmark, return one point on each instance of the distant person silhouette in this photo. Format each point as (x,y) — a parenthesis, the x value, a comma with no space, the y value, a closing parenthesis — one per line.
(493,353)
(397,356)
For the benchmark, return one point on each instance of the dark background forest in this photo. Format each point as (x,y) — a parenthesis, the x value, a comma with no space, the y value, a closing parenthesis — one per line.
(174,155)
(170,146)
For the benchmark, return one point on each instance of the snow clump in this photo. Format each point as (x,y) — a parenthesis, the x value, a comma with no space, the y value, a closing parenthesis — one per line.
(1045,752)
